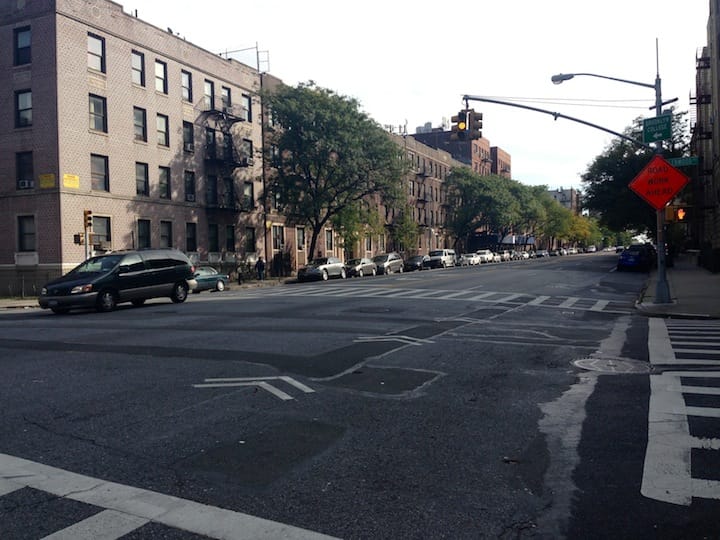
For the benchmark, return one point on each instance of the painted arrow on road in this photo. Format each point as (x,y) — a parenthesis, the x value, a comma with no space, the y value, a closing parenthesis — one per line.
(259,382)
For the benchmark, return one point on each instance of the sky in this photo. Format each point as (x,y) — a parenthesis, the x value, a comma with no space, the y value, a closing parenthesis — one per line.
(410,62)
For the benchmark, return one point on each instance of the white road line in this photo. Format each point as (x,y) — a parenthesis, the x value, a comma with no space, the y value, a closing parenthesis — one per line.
(7,487)
(666,471)
(453,295)
(568,303)
(145,504)
(599,305)
(508,298)
(261,384)
(659,346)
(537,301)
(106,525)
(698,341)
(697,351)
(705,412)
(707,489)
(480,296)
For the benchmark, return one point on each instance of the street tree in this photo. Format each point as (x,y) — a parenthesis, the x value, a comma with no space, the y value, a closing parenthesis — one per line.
(327,156)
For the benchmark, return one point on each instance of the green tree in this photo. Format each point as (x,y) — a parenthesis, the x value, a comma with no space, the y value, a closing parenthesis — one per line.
(329,156)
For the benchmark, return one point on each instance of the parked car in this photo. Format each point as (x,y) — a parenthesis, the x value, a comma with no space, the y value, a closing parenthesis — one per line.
(469,259)
(361,267)
(591,249)
(637,257)
(485,255)
(542,253)
(497,257)
(505,255)
(389,263)
(104,281)
(322,268)
(417,262)
(441,258)
(572,251)
(209,279)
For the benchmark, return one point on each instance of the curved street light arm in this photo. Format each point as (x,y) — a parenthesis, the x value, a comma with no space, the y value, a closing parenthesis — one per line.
(560,77)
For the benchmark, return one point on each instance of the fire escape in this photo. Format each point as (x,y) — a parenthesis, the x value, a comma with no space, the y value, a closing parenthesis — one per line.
(223,154)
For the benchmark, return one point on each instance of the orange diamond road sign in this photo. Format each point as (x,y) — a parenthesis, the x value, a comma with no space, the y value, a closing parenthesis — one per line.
(658,182)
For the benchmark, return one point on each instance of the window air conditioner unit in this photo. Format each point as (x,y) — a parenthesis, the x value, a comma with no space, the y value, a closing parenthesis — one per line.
(188,147)
(26,184)
(190,197)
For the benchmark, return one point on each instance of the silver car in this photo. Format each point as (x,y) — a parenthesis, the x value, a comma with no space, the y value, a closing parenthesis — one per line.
(388,263)
(322,268)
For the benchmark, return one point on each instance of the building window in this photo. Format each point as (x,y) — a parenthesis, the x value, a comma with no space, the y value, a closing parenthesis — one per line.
(140,124)
(23,108)
(248,196)
(138,68)
(22,46)
(278,237)
(99,173)
(25,174)
(164,182)
(143,226)
(26,233)
(247,107)
(190,237)
(368,242)
(209,96)
(161,77)
(142,181)
(98,113)
(246,151)
(213,240)
(226,97)
(250,240)
(210,143)
(230,238)
(228,193)
(163,130)
(101,230)
(328,240)
(211,195)
(96,52)
(188,137)
(166,234)
(300,234)
(189,178)
(186,84)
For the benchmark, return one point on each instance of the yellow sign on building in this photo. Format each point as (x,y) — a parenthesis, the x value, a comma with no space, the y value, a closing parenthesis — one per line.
(71,181)
(46,180)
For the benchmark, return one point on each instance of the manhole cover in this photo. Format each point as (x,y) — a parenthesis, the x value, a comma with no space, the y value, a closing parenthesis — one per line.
(607,364)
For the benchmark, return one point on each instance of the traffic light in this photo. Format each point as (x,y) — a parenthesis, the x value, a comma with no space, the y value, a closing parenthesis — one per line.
(475,124)
(88,221)
(674,214)
(460,126)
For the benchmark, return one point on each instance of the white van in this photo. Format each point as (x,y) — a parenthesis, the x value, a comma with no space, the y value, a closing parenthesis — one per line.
(441,258)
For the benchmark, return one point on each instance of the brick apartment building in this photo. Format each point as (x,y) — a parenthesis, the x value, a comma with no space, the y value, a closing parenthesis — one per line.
(155,136)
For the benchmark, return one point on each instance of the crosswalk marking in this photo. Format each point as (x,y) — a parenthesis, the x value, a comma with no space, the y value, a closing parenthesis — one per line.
(106,525)
(469,295)
(667,471)
(144,505)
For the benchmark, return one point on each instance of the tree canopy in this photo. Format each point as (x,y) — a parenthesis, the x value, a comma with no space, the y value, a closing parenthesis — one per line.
(327,157)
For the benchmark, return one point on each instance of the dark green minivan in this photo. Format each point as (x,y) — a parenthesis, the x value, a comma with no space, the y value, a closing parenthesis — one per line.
(104,281)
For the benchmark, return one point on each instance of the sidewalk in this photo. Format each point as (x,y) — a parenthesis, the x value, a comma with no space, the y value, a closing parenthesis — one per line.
(695,292)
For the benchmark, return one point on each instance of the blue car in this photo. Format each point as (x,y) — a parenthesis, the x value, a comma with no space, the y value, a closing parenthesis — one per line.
(637,257)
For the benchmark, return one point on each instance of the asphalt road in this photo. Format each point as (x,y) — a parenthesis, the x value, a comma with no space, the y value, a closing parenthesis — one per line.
(437,404)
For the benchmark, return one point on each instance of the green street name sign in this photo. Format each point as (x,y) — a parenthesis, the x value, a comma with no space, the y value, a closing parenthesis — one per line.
(657,128)
(683,161)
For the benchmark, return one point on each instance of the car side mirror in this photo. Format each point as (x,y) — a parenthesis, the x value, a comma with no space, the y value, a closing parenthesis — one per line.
(123,269)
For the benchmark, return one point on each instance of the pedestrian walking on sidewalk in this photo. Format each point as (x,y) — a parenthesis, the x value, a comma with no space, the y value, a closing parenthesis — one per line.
(260,268)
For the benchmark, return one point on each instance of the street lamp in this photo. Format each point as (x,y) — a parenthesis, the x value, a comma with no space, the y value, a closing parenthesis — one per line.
(662,290)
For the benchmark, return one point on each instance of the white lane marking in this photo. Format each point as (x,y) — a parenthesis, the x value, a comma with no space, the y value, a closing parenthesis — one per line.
(659,347)
(260,384)
(538,300)
(105,525)
(666,471)
(568,303)
(289,380)
(406,340)
(600,305)
(145,504)
(7,487)
(509,298)
(480,296)
(697,351)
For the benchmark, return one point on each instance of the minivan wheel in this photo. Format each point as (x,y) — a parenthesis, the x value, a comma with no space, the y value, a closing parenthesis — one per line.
(220,286)
(343,274)
(106,301)
(180,293)
(325,275)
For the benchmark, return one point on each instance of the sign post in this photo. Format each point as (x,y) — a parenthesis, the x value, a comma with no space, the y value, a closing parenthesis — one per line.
(657,184)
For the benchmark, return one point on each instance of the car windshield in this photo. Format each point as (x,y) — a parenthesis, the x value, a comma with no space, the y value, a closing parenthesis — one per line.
(318,262)
(95,265)
(354,262)
(380,258)
(436,253)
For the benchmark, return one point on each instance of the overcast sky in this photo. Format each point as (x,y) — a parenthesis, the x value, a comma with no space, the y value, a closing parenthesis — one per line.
(410,62)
